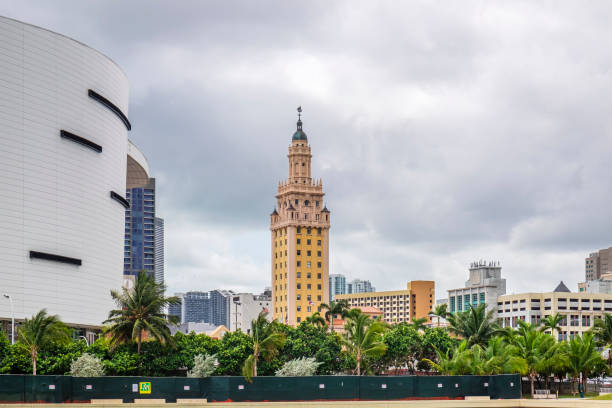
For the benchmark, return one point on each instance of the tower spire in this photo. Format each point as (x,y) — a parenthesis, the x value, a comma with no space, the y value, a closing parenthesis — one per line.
(299,122)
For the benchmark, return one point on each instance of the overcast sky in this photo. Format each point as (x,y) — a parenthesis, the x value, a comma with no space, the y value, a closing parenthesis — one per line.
(444,132)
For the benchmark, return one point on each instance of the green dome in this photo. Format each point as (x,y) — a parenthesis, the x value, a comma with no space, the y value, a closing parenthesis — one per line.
(299,135)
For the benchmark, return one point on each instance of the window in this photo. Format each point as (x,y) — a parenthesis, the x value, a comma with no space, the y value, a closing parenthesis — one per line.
(318,264)
(308,286)
(308,308)
(299,241)
(308,242)
(308,230)
(318,231)
(318,253)
(299,297)
(299,274)
(319,298)
(308,253)
(299,263)
(308,298)
(308,264)
(316,203)
(308,275)
(299,230)
(296,202)
(318,276)
(299,252)
(299,308)
(319,242)
(299,286)
(319,286)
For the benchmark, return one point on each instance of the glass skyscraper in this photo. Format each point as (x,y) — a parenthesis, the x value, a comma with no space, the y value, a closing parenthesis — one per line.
(139,248)
(159,250)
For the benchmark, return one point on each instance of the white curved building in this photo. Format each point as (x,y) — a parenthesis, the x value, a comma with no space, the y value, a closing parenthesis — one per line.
(65,161)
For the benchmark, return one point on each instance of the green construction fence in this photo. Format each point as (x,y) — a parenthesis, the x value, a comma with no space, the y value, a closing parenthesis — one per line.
(43,388)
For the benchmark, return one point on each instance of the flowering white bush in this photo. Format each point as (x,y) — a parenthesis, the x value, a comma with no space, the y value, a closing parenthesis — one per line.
(300,367)
(87,365)
(203,366)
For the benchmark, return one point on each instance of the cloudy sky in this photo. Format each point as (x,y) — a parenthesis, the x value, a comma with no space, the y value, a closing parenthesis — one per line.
(444,132)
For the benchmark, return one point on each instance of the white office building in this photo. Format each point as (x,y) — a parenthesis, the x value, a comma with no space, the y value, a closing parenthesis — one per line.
(337,285)
(484,285)
(65,163)
(245,307)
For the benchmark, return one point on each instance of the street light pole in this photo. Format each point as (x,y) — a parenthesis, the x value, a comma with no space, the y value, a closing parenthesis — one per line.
(12,317)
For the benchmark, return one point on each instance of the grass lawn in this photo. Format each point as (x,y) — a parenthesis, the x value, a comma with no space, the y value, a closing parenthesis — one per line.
(603,397)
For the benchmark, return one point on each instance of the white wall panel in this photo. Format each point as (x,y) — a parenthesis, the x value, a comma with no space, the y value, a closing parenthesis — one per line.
(54,193)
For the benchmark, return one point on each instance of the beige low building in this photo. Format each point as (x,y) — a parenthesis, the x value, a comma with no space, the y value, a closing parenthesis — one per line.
(414,302)
(578,309)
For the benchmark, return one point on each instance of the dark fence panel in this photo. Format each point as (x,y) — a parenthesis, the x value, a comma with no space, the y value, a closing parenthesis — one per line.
(386,388)
(26,388)
(12,388)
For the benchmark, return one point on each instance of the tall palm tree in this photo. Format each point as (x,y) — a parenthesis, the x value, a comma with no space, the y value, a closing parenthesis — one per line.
(340,307)
(475,325)
(552,323)
(316,320)
(267,340)
(441,311)
(41,330)
(583,358)
(536,348)
(363,338)
(141,310)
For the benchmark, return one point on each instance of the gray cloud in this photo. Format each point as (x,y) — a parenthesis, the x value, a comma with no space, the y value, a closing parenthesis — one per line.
(443,133)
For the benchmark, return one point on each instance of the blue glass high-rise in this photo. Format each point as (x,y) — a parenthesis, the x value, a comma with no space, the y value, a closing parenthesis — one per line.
(139,248)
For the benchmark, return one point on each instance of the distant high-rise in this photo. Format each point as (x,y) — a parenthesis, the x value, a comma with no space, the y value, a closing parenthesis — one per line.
(598,263)
(337,285)
(360,286)
(159,250)
(203,307)
(139,245)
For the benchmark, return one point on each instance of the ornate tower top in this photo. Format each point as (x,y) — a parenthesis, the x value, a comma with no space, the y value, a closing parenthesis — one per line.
(299,133)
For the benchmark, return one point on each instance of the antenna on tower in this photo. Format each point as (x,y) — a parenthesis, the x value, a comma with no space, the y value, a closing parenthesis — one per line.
(299,109)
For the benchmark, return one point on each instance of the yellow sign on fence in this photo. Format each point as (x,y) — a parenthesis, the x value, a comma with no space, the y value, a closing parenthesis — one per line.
(144,387)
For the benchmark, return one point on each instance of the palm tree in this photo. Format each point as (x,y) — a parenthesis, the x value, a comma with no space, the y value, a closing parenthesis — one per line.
(441,311)
(267,340)
(141,310)
(316,320)
(363,338)
(41,330)
(340,307)
(419,324)
(583,357)
(552,322)
(602,330)
(475,325)
(536,348)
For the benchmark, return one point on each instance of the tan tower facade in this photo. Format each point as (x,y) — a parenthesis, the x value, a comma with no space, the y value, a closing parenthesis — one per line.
(300,239)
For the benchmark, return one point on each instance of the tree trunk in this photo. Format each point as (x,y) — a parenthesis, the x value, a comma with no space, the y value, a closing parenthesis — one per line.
(255,365)
(438,321)
(139,341)
(331,323)
(34,353)
(358,362)
(531,378)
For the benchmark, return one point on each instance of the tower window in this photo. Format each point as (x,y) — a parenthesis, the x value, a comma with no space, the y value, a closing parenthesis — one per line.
(308,242)
(299,241)
(296,202)
(319,286)
(306,203)
(308,264)
(299,297)
(318,253)
(299,286)
(319,242)
(309,298)
(318,231)
(308,275)
(299,274)
(319,277)
(308,230)
(319,298)
(303,164)
(318,264)
(299,230)
(305,216)
(308,253)
(316,204)
(299,252)
(299,263)
(308,286)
